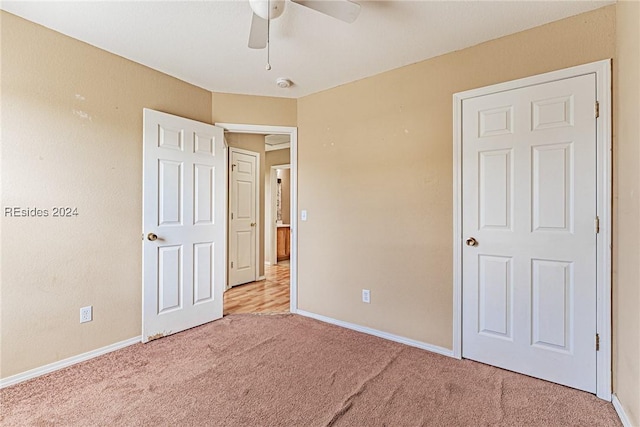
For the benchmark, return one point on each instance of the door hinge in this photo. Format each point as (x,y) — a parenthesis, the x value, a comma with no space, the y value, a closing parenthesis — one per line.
(597,224)
(597,342)
(597,109)
(231,215)
(231,264)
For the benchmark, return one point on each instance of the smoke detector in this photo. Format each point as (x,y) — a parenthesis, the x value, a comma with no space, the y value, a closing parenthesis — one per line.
(284,83)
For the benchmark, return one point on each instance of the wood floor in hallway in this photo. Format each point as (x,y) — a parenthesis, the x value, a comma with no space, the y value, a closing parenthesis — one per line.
(266,296)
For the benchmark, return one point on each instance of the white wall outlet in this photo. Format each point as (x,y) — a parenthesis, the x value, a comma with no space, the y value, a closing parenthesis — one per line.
(303,215)
(366,296)
(86,314)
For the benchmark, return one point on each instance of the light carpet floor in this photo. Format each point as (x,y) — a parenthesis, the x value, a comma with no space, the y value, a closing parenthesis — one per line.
(287,370)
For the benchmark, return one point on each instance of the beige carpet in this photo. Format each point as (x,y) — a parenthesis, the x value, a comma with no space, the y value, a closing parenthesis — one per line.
(287,370)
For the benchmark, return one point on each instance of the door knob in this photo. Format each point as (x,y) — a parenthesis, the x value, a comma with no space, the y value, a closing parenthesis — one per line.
(152,237)
(472,242)
(253,224)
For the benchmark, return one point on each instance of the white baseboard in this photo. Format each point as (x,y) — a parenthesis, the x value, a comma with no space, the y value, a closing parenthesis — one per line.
(391,337)
(261,278)
(620,410)
(27,375)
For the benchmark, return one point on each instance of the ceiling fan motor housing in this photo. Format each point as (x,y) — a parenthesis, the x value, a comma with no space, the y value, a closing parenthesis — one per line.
(267,9)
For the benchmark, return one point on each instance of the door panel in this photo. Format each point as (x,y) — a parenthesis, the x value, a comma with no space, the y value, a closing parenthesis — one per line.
(494,185)
(552,294)
(244,256)
(494,303)
(245,194)
(183,205)
(170,193)
(529,200)
(203,266)
(204,183)
(170,278)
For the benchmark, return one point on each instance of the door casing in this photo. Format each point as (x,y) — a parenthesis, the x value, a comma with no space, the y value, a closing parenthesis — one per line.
(293,135)
(602,70)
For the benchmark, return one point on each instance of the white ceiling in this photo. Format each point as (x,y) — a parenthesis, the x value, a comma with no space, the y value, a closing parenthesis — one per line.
(205,42)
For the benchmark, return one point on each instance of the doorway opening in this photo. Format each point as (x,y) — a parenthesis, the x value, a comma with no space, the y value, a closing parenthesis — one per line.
(270,287)
(278,215)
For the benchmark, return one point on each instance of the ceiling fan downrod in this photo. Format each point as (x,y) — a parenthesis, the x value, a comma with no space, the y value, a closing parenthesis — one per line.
(268,66)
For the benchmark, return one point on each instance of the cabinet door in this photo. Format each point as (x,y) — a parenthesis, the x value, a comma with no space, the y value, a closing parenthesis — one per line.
(283,243)
(281,247)
(286,241)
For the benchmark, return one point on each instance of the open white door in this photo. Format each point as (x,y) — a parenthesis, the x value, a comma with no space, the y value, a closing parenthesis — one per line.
(243,216)
(529,220)
(184,174)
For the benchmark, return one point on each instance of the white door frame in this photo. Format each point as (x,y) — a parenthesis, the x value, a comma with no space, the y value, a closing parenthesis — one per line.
(293,135)
(273,242)
(602,70)
(257,202)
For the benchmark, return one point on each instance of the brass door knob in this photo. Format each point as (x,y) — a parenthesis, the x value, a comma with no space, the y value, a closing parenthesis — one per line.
(472,242)
(253,224)
(152,237)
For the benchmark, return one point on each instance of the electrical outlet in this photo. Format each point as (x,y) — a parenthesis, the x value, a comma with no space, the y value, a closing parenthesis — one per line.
(86,314)
(366,296)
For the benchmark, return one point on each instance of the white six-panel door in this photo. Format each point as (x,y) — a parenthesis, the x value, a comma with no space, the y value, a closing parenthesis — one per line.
(529,210)
(183,222)
(243,218)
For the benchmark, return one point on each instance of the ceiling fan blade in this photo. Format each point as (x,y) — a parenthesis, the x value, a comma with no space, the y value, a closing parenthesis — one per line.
(343,10)
(258,34)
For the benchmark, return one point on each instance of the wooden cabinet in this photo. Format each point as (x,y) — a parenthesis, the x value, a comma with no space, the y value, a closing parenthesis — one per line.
(283,243)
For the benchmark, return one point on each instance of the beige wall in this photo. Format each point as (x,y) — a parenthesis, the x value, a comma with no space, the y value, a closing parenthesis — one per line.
(254,110)
(626,268)
(285,180)
(71,136)
(277,157)
(254,143)
(375,174)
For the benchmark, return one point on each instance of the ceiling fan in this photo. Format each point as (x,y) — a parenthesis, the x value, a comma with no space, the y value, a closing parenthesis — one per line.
(266,10)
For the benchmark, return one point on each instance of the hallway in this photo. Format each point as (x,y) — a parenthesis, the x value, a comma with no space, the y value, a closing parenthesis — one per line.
(266,296)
